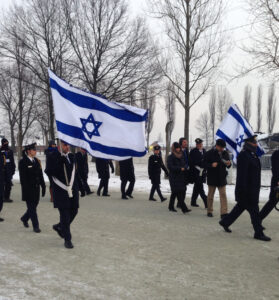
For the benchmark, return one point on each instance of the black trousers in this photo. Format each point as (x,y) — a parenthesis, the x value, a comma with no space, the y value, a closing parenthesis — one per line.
(31,213)
(155,187)
(1,196)
(270,204)
(130,188)
(239,208)
(84,187)
(198,190)
(7,189)
(180,198)
(67,215)
(103,185)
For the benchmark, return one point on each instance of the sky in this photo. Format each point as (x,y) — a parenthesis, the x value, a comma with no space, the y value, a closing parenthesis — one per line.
(235,22)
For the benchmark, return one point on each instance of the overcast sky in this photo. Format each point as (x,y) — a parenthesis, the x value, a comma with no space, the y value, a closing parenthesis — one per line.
(236,17)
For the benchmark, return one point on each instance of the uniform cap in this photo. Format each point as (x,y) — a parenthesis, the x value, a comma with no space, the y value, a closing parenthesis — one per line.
(157,147)
(221,143)
(30,147)
(198,141)
(251,139)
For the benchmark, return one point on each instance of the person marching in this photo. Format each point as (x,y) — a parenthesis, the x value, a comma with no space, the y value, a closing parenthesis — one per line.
(155,164)
(31,179)
(247,189)
(9,169)
(62,168)
(102,167)
(273,200)
(185,151)
(198,173)
(177,169)
(83,170)
(2,181)
(127,173)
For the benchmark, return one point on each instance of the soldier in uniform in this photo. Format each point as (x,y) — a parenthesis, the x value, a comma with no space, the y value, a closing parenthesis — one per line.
(9,169)
(102,167)
(127,173)
(155,164)
(247,189)
(198,173)
(83,170)
(63,170)
(2,181)
(31,179)
(177,168)
(272,202)
(216,162)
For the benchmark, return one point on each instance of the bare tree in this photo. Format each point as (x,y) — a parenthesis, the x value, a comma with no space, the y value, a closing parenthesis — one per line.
(212,113)
(194,29)
(224,101)
(259,108)
(247,103)
(203,125)
(271,109)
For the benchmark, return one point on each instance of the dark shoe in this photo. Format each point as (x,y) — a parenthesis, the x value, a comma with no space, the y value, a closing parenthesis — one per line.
(57,228)
(37,230)
(223,216)
(172,209)
(89,193)
(124,197)
(163,199)
(68,245)
(130,196)
(262,237)
(1,219)
(226,228)
(82,195)
(8,200)
(195,205)
(25,223)
(152,199)
(187,210)
(98,193)
(210,215)
(106,195)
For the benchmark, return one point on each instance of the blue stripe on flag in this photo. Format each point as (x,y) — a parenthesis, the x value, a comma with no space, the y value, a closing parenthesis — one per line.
(77,133)
(223,136)
(94,104)
(240,120)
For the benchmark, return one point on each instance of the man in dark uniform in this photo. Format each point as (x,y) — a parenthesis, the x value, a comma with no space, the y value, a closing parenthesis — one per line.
(83,170)
(155,164)
(31,178)
(62,168)
(247,189)
(102,167)
(9,169)
(127,173)
(2,181)
(198,173)
(273,200)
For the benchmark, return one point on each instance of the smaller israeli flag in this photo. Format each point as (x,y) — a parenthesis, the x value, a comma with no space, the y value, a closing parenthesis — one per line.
(234,129)
(105,129)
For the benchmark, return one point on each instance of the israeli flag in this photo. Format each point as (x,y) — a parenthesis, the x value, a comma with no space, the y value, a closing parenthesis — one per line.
(105,129)
(234,129)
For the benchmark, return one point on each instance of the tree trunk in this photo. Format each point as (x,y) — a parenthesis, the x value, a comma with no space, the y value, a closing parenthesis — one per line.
(168,141)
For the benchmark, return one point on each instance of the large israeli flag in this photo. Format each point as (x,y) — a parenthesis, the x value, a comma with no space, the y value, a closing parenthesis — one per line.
(105,129)
(234,129)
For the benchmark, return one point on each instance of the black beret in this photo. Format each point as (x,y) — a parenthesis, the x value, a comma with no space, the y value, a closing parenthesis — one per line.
(198,141)
(221,143)
(30,147)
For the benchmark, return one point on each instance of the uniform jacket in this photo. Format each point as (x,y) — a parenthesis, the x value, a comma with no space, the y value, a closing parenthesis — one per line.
(216,176)
(82,165)
(2,173)
(178,179)
(155,164)
(10,163)
(275,168)
(196,161)
(127,170)
(31,178)
(102,167)
(248,178)
(55,168)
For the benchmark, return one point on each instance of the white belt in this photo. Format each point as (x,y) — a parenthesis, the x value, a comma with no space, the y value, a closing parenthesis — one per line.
(67,188)
(199,169)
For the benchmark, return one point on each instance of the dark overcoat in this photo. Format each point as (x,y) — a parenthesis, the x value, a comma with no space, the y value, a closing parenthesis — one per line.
(155,164)
(10,163)
(177,177)
(196,160)
(127,170)
(82,165)
(102,167)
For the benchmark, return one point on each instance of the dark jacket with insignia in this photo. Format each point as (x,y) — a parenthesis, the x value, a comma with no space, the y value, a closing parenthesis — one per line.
(248,177)
(275,168)
(196,160)
(55,168)
(82,165)
(31,178)
(155,164)
(102,167)
(127,170)
(10,163)
(216,176)
(178,179)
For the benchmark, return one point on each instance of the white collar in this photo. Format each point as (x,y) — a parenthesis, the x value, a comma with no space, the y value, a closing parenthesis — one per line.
(31,158)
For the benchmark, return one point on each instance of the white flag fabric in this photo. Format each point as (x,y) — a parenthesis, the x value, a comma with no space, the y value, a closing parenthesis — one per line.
(105,129)
(234,129)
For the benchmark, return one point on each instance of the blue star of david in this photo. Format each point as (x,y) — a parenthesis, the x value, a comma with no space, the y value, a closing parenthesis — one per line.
(90,120)
(239,140)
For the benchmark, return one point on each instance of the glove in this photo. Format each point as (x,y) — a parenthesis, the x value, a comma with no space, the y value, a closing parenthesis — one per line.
(43,190)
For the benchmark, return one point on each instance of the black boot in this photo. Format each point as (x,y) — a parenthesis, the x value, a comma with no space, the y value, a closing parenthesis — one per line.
(1,219)
(37,230)
(226,228)
(57,228)
(25,223)
(124,197)
(68,245)
(262,237)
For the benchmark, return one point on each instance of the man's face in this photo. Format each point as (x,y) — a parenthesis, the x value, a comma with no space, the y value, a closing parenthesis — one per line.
(156,152)
(200,146)
(254,144)
(53,146)
(219,148)
(184,144)
(65,147)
